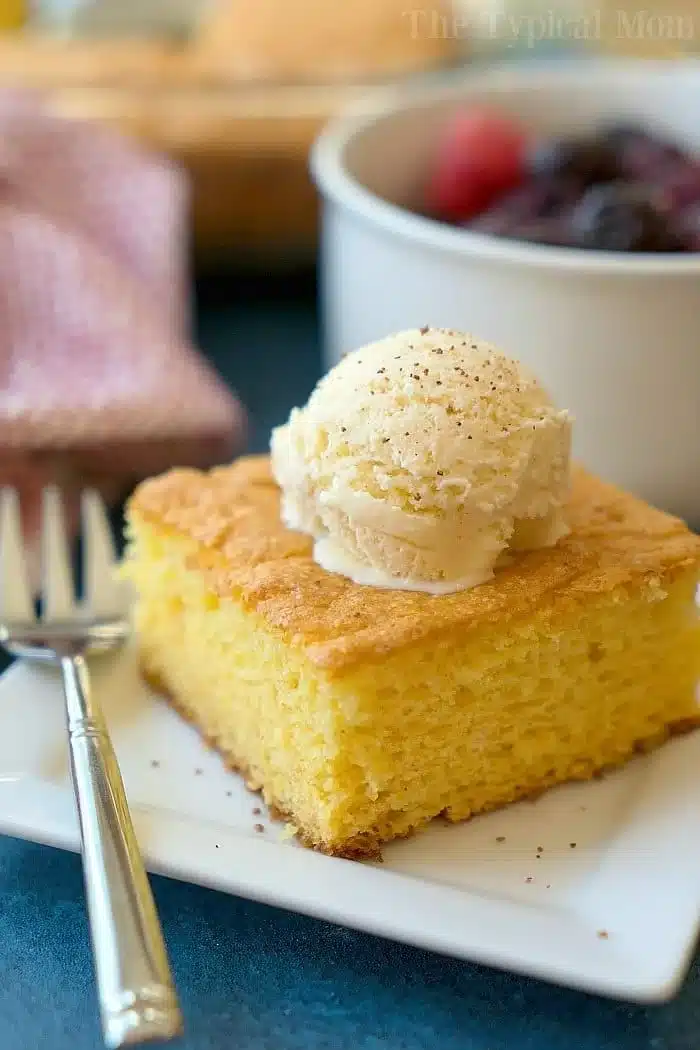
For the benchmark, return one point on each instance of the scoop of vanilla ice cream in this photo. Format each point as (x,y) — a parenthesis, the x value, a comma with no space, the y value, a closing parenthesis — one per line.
(420,459)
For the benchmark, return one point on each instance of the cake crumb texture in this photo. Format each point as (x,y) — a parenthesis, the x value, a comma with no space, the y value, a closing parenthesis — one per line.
(360,713)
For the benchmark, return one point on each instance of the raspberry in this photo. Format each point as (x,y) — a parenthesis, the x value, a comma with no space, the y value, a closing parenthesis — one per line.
(481,156)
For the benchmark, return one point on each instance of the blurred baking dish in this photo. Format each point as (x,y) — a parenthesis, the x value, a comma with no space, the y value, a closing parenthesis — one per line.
(239,101)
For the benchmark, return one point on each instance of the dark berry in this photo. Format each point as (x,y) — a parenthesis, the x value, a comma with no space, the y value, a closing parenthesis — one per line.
(679,185)
(537,200)
(620,132)
(542,198)
(584,159)
(622,217)
(645,156)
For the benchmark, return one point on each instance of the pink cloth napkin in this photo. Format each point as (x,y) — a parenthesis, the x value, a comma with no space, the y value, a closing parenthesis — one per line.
(99,382)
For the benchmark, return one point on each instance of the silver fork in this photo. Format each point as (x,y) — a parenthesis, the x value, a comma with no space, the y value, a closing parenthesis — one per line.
(137,998)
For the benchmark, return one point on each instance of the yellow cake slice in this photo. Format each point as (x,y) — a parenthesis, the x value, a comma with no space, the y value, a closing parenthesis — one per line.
(363,713)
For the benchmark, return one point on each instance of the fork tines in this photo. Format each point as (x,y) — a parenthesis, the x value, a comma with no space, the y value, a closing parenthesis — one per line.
(26,572)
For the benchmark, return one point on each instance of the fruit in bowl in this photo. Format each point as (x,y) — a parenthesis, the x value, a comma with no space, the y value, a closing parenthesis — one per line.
(613,334)
(620,187)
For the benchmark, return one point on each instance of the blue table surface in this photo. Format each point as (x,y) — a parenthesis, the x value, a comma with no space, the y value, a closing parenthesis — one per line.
(252,977)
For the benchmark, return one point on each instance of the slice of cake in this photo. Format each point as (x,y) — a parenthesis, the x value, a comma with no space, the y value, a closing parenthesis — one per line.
(364,712)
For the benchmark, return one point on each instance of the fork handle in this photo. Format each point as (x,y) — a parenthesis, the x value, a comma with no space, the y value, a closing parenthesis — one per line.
(135,987)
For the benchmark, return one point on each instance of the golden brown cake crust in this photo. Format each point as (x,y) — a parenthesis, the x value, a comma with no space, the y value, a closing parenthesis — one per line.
(232,514)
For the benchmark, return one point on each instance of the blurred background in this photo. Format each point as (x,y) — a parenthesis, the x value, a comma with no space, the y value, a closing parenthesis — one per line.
(228,96)
(237,89)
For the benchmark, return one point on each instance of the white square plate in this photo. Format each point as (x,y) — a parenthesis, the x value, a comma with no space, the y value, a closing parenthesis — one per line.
(596,886)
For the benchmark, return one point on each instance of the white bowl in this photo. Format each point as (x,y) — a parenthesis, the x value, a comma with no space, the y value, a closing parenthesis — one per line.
(615,337)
